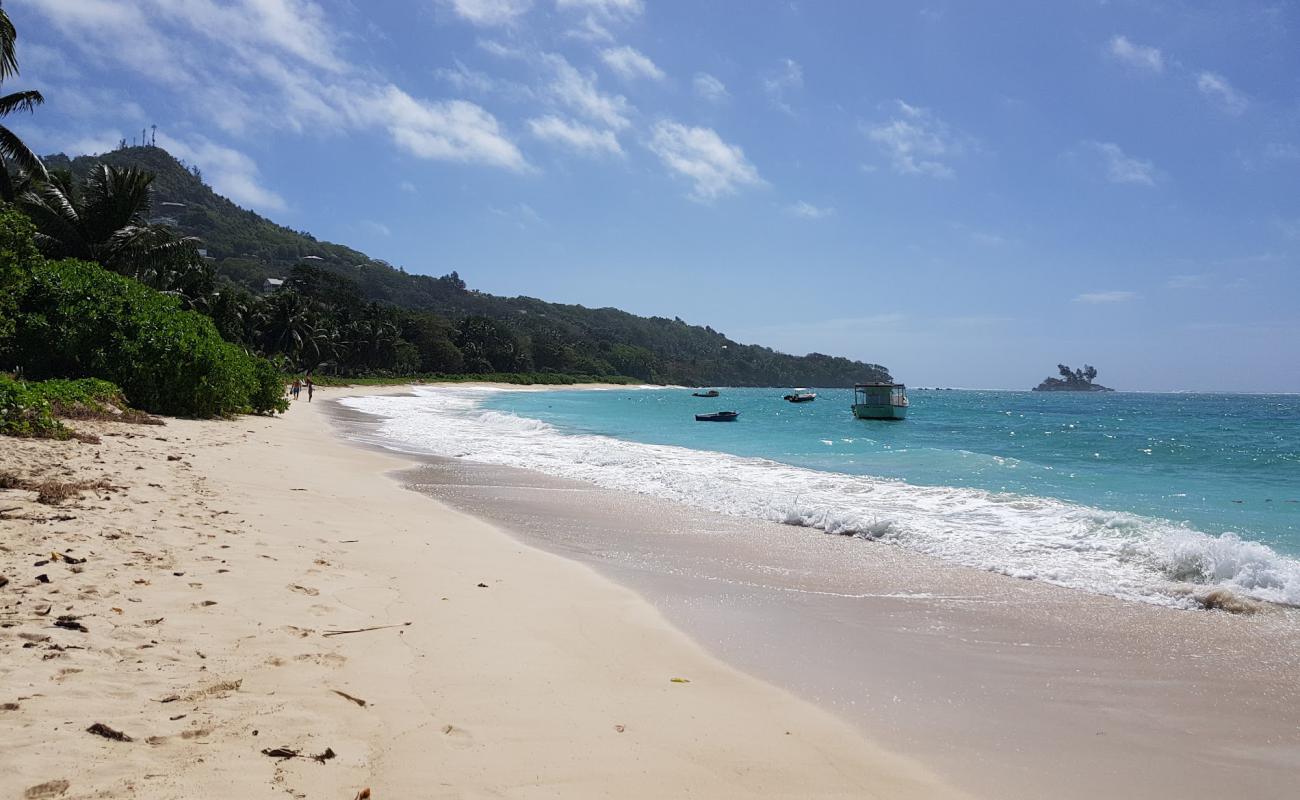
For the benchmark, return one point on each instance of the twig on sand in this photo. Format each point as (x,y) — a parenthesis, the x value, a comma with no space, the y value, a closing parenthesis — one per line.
(363,630)
(287,753)
(347,696)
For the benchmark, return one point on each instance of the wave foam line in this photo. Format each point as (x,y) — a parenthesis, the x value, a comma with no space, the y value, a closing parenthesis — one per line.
(1106,552)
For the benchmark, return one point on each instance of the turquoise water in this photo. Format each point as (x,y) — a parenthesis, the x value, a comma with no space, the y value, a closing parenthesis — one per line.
(1216,463)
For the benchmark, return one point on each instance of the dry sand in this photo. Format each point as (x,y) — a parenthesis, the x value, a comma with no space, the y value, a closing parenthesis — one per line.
(219,558)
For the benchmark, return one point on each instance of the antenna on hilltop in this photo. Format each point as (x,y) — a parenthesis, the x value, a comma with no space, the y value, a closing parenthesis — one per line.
(154,141)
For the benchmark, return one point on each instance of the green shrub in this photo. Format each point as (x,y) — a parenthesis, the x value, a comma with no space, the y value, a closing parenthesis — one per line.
(18,256)
(24,411)
(78,320)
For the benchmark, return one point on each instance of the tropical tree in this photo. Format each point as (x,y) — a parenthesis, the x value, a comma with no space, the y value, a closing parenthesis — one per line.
(105,220)
(12,149)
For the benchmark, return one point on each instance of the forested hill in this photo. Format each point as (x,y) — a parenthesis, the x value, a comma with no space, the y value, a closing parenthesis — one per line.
(246,249)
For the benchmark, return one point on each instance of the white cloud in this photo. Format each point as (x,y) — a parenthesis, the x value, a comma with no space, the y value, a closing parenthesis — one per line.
(450,130)
(788,78)
(1136,55)
(377,227)
(254,64)
(578,91)
(988,239)
(598,15)
(807,210)
(228,171)
(590,30)
(407,187)
(92,144)
(709,87)
(1095,298)
(714,167)
(1220,92)
(630,63)
(582,138)
(916,142)
(489,12)
(1122,168)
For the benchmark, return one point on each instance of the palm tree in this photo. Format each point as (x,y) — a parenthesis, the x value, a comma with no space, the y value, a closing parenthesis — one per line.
(104,220)
(12,148)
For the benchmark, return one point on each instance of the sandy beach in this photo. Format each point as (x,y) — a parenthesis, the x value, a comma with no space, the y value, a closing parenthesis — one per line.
(253,608)
(1005,687)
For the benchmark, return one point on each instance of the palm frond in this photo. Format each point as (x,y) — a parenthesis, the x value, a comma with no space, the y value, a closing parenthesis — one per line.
(20,101)
(14,149)
(8,56)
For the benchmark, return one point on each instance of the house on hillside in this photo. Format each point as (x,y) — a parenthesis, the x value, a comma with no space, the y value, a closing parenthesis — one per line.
(272,284)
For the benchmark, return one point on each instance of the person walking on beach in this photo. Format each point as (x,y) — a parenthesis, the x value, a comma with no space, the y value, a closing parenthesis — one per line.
(310,388)
(297,387)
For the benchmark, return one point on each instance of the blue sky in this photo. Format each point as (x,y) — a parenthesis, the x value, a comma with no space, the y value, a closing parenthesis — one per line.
(967,193)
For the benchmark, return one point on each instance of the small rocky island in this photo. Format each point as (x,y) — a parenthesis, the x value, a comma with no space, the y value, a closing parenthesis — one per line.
(1073,380)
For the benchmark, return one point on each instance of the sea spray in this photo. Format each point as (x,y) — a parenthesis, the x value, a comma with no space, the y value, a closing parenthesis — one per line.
(1069,544)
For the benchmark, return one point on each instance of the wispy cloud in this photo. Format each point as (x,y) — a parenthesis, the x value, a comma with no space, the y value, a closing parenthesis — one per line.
(1223,94)
(916,141)
(489,13)
(377,227)
(709,87)
(522,215)
(1122,168)
(714,167)
(1096,298)
(787,78)
(629,63)
(1144,57)
(228,171)
(577,91)
(581,138)
(598,16)
(807,210)
(276,62)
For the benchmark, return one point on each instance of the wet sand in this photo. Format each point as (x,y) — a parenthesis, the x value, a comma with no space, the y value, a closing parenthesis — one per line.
(1005,687)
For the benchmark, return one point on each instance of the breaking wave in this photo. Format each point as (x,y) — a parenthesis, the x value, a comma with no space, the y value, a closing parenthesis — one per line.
(1106,552)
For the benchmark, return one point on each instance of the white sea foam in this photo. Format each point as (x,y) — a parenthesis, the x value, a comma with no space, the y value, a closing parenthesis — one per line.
(1106,552)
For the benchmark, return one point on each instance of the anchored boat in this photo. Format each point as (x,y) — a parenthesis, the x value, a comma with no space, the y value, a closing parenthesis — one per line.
(800,396)
(718,416)
(709,393)
(880,401)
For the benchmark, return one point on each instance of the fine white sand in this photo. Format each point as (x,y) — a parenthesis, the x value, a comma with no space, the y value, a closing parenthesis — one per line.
(225,552)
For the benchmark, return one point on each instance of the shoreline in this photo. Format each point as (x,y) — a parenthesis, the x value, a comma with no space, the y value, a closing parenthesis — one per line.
(1006,687)
(259,583)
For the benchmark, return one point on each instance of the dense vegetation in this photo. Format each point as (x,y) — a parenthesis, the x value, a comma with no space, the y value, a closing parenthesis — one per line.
(341,312)
(77,319)
(33,409)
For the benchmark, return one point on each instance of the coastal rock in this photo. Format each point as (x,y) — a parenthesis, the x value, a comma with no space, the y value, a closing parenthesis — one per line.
(1073,380)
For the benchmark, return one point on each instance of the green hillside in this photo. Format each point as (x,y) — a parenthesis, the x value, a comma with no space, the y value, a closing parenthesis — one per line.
(247,248)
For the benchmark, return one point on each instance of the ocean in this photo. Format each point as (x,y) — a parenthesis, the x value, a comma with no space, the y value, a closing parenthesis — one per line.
(1149,497)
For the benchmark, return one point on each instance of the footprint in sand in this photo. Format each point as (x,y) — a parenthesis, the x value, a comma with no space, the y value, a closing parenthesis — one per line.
(307,590)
